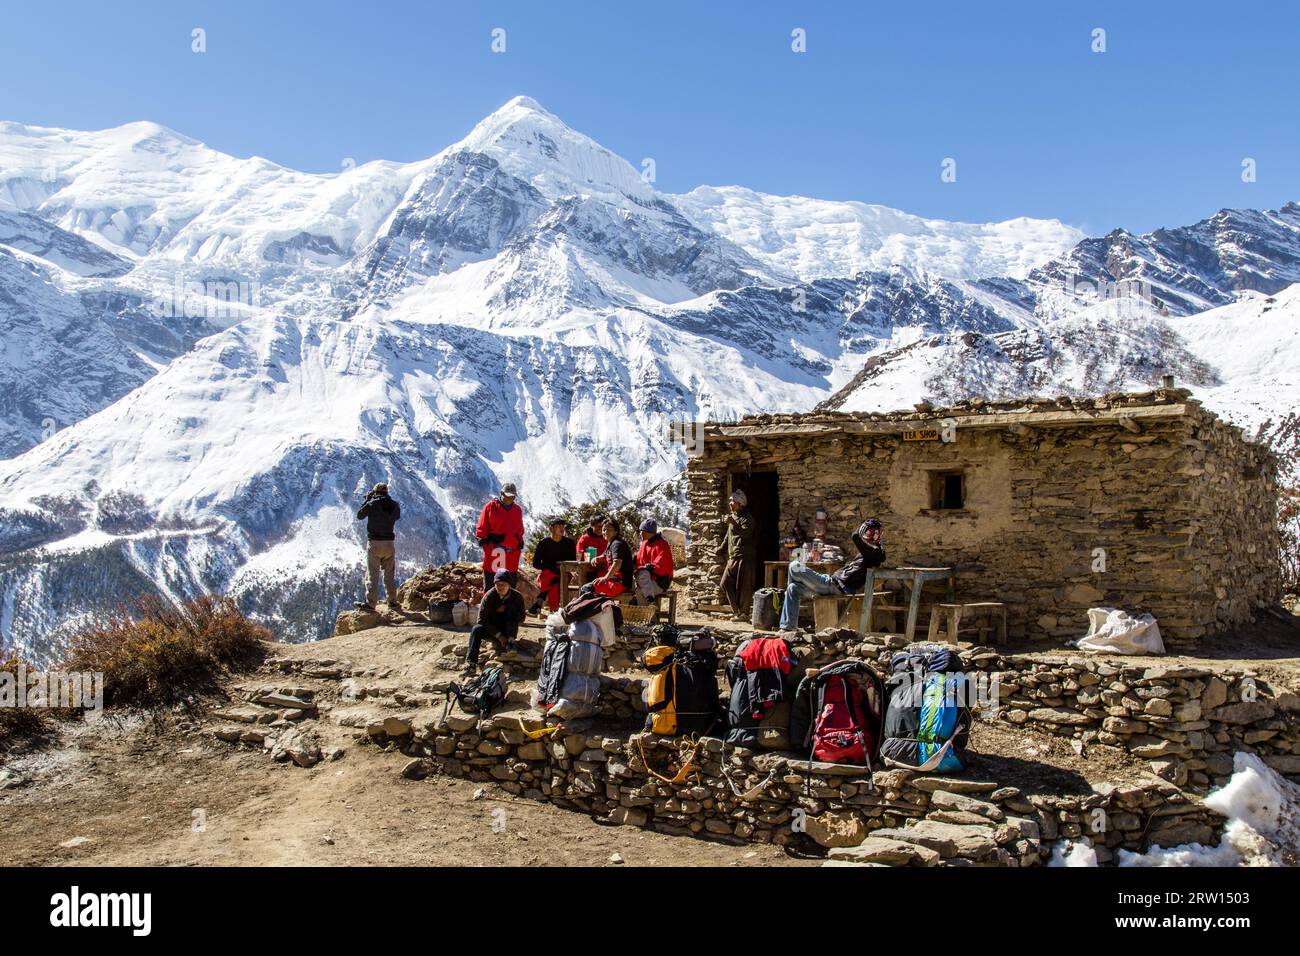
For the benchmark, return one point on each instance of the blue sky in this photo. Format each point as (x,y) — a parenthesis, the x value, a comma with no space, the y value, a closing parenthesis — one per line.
(1151,132)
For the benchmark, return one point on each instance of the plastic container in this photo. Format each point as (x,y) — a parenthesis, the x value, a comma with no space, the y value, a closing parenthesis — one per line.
(459,613)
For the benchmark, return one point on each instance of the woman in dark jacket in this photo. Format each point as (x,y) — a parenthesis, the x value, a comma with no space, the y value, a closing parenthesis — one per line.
(618,561)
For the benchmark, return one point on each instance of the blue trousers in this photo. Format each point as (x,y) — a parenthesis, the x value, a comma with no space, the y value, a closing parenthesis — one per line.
(801,581)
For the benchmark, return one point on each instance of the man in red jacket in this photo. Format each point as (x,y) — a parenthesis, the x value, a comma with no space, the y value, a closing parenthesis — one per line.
(593,537)
(654,564)
(500,533)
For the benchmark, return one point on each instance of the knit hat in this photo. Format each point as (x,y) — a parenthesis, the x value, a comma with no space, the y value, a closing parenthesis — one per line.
(739,498)
(650,525)
(502,575)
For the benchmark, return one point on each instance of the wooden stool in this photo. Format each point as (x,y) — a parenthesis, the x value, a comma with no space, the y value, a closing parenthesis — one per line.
(671,595)
(991,621)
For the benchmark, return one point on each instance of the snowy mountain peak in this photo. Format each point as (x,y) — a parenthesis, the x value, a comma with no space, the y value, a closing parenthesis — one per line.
(536,146)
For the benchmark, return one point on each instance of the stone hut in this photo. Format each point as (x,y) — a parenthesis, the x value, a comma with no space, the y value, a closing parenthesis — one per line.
(1144,501)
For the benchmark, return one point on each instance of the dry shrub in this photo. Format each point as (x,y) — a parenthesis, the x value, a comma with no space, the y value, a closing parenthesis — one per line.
(17,723)
(158,654)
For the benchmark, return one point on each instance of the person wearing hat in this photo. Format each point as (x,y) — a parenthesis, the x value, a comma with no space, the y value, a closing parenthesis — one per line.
(740,551)
(500,533)
(593,538)
(499,617)
(548,554)
(654,564)
(380,513)
(847,580)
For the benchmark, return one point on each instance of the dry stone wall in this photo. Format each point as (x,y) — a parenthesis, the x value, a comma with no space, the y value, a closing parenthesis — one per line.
(893,816)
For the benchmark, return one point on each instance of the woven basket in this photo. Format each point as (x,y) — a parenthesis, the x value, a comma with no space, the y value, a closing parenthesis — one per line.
(637,614)
(679,555)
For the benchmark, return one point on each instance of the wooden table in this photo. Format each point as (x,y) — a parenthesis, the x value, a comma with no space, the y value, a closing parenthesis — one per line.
(776,572)
(913,578)
(572,577)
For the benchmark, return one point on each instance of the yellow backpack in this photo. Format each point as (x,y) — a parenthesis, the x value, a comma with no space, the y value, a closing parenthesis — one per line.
(660,661)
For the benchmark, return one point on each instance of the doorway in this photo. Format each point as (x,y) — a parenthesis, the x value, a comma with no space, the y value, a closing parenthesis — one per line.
(760,488)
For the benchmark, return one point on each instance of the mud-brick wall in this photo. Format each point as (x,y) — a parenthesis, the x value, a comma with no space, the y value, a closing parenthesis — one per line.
(1057,520)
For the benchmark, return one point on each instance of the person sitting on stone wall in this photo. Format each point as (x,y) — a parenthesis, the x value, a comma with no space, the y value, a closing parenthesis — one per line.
(499,617)
(654,564)
(847,580)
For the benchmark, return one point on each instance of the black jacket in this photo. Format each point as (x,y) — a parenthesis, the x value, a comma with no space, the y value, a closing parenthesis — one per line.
(620,550)
(853,575)
(502,615)
(381,513)
(549,553)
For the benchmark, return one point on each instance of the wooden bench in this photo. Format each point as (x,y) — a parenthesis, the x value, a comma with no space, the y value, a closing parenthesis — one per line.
(989,620)
(844,610)
(626,598)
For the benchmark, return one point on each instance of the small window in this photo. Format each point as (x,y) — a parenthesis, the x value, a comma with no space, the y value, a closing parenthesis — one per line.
(948,490)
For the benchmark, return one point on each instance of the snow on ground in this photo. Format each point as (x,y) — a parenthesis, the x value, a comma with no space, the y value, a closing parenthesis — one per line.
(1263,826)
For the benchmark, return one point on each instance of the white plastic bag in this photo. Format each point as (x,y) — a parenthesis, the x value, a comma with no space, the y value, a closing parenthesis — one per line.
(1115,631)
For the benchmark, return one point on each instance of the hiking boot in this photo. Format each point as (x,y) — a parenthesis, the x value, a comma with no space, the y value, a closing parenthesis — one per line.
(364,606)
(469,670)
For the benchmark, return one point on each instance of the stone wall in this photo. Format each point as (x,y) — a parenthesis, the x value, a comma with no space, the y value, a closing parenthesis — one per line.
(1173,515)
(735,794)
(1186,721)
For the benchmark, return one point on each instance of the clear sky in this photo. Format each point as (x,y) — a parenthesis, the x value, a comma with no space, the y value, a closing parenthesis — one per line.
(1151,132)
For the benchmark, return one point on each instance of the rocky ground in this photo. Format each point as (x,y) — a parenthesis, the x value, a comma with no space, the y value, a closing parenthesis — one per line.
(297,767)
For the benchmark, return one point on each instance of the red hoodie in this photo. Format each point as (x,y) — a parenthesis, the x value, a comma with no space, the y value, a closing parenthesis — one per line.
(656,555)
(506,523)
(590,539)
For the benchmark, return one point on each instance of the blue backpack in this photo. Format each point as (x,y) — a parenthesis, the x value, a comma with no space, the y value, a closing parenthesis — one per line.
(928,721)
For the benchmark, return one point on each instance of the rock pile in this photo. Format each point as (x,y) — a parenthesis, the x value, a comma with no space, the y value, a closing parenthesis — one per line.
(267,721)
(455,581)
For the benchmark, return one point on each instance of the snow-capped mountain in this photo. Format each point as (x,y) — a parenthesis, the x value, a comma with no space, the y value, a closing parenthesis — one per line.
(241,349)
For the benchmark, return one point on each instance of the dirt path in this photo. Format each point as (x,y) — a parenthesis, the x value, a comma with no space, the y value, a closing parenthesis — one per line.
(133,793)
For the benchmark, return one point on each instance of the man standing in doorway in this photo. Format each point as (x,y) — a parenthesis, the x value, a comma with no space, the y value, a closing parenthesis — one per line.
(741,553)
(500,533)
(380,513)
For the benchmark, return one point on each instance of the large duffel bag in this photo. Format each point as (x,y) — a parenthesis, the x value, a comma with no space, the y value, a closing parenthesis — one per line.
(928,720)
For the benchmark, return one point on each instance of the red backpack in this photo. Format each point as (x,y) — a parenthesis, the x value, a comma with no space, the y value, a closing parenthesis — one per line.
(842,730)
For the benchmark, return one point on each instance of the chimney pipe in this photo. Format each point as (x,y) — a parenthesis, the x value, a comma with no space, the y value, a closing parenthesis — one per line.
(1167,381)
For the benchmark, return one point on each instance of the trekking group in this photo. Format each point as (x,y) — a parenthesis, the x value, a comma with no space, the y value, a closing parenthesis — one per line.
(613,568)
(840,713)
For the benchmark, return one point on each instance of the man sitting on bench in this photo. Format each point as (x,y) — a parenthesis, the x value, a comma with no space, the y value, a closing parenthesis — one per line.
(846,581)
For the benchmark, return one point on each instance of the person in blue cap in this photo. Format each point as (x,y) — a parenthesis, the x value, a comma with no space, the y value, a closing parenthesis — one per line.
(499,617)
